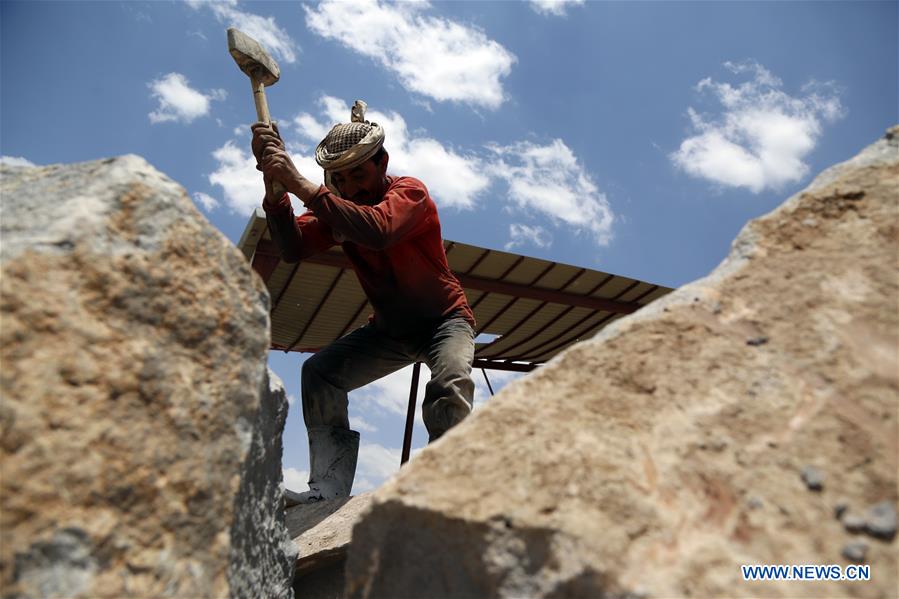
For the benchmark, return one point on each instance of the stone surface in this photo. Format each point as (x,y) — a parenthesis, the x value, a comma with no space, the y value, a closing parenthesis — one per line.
(853,522)
(134,339)
(855,551)
(880,521)
(322,531)
(326,582)
(321,534)
(840,508)
(263,556)
(813,478)
(625,466)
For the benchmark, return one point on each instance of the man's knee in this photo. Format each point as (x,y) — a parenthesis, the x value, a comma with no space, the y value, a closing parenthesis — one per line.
(449,395)
(310,367)
(444,414)
(324,403)
(318,368)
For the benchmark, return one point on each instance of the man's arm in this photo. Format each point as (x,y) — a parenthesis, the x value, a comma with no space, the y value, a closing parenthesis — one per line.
(268,148)
(296,238)
(404,212)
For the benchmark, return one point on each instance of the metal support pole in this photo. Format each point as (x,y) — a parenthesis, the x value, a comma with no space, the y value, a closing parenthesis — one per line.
(410,414)
(489,386)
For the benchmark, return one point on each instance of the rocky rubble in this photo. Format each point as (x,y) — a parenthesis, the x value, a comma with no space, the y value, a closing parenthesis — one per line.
(262,556)
(322,533)
(139,435)
(657,458)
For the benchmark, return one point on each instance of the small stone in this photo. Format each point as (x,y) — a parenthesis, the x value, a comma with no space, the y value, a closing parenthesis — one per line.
(718,445)
(855,551)
(813,478)
(754,503)
(840,508)
(756,341)
(880,521)
(853,523)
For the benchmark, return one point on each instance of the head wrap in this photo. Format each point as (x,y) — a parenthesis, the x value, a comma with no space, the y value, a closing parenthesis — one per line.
(350,144)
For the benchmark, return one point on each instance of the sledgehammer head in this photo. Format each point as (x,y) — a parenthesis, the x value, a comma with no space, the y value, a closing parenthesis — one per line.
(252,58)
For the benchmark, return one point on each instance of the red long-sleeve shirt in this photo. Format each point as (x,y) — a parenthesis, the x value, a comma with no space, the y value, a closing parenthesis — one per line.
(395,248)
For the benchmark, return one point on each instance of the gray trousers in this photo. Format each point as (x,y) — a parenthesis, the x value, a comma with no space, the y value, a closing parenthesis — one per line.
(368,354)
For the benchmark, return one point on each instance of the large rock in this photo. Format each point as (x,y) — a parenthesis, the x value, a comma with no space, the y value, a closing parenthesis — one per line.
(263,557)
(322,533)
(134,340)
(660,456)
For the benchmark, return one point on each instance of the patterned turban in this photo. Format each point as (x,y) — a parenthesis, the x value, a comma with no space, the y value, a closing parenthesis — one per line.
(349,144)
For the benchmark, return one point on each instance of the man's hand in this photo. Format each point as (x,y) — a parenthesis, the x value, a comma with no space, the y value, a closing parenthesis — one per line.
(275,163)
(269,199)
(263,137)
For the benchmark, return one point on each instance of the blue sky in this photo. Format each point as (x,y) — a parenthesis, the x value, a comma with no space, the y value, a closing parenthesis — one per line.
(631,137)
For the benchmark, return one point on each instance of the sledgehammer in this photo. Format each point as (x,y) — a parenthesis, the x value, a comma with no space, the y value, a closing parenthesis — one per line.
(262,70)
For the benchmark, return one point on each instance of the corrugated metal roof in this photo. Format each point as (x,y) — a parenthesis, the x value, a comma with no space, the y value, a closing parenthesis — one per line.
(536,308)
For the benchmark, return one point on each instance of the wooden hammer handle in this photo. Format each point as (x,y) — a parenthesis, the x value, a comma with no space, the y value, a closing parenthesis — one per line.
(263,115)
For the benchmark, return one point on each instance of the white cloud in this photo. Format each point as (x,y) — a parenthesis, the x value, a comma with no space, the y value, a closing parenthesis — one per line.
(242,184)
(362,485)
(15,161)
(262,29)
(296,480)
(762,134)
(375,465)
(543,181)
(432,56)
(390,394)
(208,202)
(453,178)
(378,461)
(178,101)
(291,399)
(521,235)
(314,130)
(557,8)
(548,181)
(358,423)
(238,178)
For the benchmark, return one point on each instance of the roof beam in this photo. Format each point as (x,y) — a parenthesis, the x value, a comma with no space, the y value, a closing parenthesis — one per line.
(513,289)
(318,308)
(547,295)
(507,366)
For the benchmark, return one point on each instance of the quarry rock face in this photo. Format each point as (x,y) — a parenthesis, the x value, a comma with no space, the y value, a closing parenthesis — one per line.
(747,418)
(322,533)
(133,420)
(263,556)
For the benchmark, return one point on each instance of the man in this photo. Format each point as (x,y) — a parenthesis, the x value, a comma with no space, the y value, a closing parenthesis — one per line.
(389,229)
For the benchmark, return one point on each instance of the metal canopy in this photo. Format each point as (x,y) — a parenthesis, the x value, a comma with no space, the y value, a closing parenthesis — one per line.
(536,308)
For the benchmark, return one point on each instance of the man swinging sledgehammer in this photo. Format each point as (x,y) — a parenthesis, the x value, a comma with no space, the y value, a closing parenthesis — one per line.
(389,229)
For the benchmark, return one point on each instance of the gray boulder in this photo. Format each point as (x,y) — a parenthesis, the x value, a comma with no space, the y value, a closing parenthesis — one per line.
(134,340)
(263,556)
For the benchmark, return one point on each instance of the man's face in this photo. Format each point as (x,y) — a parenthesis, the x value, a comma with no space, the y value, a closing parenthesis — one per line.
(364,184)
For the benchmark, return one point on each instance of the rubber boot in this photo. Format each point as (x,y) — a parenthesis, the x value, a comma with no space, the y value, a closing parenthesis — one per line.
(332,465)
